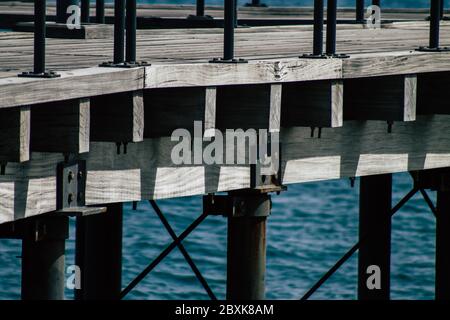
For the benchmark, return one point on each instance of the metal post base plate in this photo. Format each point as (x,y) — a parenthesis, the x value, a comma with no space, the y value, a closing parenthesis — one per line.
(234,60)
(325,56)
(46,74)
(428,49)
(135,64)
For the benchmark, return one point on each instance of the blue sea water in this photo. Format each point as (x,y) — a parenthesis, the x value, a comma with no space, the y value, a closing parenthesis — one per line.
(312,225)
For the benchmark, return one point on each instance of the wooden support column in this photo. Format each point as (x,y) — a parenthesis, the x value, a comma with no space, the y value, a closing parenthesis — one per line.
(313,104)
(61,126)
(442,282)
(43,258)
(14,135)
(375,237)
(99,254)
(246,264)
(391,98)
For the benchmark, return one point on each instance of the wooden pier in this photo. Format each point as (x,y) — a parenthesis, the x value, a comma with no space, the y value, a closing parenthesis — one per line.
(382,110)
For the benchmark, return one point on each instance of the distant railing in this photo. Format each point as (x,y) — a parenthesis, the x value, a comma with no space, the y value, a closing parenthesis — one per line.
(125,19)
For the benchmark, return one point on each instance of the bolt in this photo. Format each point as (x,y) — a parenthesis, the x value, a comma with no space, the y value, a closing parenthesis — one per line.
(70,198)
(80,175)
(70,176)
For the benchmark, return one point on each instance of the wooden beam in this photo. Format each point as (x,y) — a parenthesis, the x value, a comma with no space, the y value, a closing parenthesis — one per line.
(169,109)
(15,135)
(390,98)
(147,172)
(72,84)
(61,126)
(118,117)
(313,104)
(432,93)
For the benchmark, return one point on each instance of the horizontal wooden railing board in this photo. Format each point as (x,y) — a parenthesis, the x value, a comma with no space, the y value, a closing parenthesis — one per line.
(146,172)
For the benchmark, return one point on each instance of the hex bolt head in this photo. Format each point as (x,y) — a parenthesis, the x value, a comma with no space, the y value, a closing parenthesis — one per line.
(70,176)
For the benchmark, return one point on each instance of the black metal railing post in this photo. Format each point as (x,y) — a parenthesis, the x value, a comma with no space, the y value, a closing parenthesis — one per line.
(119,31)
(200,8)
(100,11)
(131,31)
(39,43)
(331,27)
(331,30)
(85,6)
(376,3)
(228,34)
(318,28)
(360,11)
(435,20)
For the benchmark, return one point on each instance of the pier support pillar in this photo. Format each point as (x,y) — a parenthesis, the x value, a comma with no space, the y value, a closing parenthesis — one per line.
(442,283)
(99,254)
(43,258)
(246,265)
(375,237)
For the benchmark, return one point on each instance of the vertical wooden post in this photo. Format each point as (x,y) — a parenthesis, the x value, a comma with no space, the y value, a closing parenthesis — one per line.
(43,258)
(375,237)
(99,254)
(246,265)
(442,283)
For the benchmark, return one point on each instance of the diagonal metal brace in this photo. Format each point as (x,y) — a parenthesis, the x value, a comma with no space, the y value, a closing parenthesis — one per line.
(183,250)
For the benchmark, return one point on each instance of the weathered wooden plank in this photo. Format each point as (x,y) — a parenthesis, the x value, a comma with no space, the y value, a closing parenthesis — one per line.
(275,108)
(213,74)
(169,109)
(72,84)
(210,111)
(356,149)
(61,126)
(312,104)
(432,93)
(118,117)
(15,135)
(391,62)
(390,98)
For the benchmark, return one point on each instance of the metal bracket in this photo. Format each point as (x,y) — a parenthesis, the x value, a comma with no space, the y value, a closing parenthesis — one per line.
(263,178)
(238,204)
(71,186)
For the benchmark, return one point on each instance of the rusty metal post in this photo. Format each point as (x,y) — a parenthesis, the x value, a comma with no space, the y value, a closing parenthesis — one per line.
(99,254)
(375,237)
(43,258)
(246,265)
(442,283)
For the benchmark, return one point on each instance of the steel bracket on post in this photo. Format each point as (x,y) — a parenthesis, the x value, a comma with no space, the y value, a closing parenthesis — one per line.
(238,204)
(267,178)
(71,186)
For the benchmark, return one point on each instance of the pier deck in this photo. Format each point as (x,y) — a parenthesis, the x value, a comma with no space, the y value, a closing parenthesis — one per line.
(182,83)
